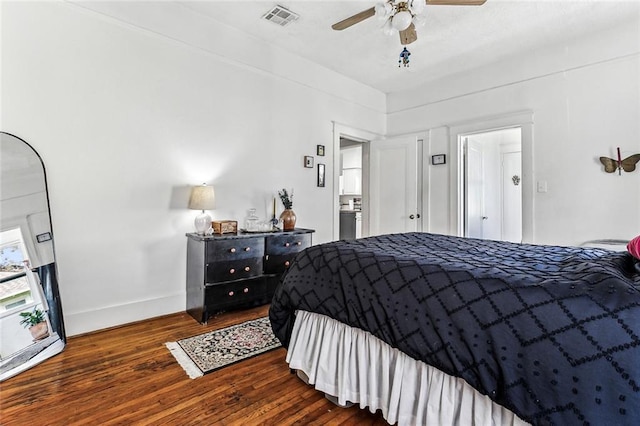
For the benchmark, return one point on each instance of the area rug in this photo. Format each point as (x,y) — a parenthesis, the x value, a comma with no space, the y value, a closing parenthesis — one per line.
(204,353)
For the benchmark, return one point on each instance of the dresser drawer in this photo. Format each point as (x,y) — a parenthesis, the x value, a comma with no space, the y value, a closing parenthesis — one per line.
(235,293)
(278,264)
(231,270)
(233,249)
(287,244)
(282,249)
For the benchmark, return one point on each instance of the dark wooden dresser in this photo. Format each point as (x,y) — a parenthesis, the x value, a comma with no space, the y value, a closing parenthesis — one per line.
(232,271)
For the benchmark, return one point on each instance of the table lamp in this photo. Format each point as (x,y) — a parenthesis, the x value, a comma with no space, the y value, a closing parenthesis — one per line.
(202,198)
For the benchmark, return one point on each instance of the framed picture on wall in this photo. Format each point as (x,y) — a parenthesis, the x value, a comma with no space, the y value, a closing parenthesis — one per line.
(41,238)
(321,175)
(438,159)
(320,150)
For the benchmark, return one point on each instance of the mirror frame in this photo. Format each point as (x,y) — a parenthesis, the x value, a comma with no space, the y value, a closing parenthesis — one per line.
(48,277)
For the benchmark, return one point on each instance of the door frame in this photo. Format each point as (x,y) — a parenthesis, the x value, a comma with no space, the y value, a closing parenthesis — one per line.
(523,120)
(466,166)
(505,183)
(358,135)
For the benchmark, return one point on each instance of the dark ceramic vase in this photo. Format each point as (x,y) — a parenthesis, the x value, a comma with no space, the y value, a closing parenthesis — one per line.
(288,218)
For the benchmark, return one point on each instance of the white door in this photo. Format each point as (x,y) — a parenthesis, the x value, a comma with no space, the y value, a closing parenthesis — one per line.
(474,189)
(512,196)
(394,185)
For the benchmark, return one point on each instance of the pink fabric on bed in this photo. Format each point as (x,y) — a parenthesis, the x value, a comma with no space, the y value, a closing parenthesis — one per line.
(634,247)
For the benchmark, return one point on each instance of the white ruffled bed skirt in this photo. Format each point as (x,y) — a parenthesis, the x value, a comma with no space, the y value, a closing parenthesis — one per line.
(355,366)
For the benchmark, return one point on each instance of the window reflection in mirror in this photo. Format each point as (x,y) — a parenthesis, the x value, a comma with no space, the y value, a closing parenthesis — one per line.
(31,325)
(16,292)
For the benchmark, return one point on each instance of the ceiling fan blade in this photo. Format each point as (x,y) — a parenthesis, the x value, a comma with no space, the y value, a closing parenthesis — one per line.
(352,20)
(456,2)
(409,35)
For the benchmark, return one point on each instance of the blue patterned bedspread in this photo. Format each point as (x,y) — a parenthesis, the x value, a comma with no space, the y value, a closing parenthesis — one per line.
(551,333)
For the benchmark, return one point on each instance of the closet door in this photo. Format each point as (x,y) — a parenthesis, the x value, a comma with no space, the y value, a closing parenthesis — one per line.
(395,194)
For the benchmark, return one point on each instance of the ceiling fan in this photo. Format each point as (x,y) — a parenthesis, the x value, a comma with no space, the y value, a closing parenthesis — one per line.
(401,16)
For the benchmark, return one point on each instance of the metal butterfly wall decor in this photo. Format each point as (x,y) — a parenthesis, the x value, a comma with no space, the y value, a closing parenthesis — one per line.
(628,164)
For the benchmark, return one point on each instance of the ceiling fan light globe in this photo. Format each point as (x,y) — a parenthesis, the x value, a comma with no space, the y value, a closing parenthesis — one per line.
(382,10)
(419,21)
(401,20)
(418,6)
(388,29)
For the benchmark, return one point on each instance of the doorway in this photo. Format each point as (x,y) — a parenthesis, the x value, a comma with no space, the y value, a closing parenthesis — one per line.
(363,137)
(492,190)
(352,187)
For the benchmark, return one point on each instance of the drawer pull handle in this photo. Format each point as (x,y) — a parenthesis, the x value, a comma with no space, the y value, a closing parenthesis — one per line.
(247,249)
(247,269)
(287,263)
(246,290)
(299,243)
(287,244)
(231,293)
(232,271)
(232,250)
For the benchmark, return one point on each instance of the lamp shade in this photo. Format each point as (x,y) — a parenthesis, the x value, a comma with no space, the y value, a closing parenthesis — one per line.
(202,198)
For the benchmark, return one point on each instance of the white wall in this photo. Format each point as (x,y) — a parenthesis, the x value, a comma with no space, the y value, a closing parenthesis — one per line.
(126,120)
(585,99)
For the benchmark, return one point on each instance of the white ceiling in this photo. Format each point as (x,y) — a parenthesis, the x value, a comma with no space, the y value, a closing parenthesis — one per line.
(455,38)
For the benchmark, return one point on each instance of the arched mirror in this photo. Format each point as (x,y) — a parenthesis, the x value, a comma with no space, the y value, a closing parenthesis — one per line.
(31,324)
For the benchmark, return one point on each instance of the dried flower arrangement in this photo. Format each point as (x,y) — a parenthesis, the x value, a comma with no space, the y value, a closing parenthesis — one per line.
(286,198)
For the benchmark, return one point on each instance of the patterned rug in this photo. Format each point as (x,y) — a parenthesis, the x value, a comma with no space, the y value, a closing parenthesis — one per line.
(211,351)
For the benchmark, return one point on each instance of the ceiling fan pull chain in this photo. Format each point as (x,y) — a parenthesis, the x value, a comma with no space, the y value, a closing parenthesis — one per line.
(404,58)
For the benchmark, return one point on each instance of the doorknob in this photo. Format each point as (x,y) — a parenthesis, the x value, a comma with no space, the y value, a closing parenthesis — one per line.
(485,217)
(412,217)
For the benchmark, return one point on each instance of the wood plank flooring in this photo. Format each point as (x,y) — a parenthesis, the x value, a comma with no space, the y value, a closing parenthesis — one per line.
(126,376)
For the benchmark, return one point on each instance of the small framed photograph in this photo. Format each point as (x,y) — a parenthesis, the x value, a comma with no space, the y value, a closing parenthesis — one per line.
(308,161)
(320,151)
(321,175)
(438,159)
(43,237)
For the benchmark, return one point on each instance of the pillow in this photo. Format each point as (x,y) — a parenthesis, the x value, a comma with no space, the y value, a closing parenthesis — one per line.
(634,247)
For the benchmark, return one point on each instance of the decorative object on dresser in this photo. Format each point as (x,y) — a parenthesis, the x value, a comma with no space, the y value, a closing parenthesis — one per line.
(274,219)
(202,198)
(224,226)
(207,352)
(288,216)
(253,224)
(238,270)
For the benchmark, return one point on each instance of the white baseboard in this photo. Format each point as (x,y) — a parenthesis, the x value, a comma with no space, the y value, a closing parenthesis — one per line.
(110,316)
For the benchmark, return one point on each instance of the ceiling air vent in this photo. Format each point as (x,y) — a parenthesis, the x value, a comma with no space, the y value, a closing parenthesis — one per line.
(281,16)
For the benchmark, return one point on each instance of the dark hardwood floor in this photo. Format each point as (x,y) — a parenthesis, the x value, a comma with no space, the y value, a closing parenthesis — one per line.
(126,375)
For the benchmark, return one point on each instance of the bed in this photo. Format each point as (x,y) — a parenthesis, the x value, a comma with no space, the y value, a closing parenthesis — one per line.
(449,330)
